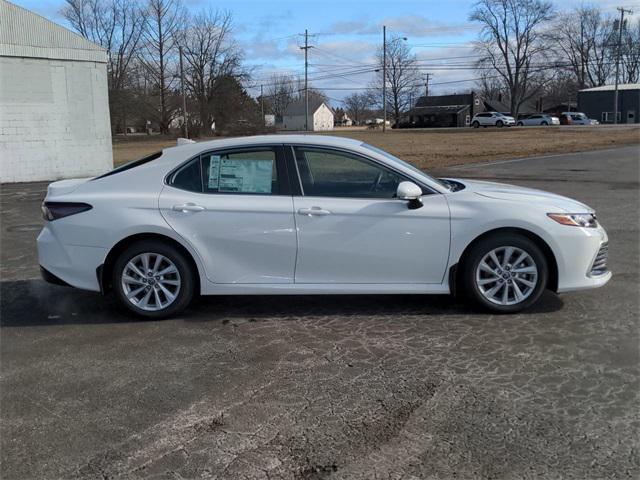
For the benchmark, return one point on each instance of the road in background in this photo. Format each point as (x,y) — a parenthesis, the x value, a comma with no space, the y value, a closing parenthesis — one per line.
(315,387)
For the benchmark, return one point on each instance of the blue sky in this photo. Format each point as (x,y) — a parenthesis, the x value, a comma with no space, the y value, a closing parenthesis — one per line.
(345,35)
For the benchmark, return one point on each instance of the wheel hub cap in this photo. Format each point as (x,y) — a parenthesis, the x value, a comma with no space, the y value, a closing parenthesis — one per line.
(157,288)
(506,275)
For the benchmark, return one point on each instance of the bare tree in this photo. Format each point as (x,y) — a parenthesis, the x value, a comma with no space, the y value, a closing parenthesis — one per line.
(631,53)
(403,77)
(280,93)
(163,21)
(511,40)
(211,55)
(116,25)
(356,105)
(584,41)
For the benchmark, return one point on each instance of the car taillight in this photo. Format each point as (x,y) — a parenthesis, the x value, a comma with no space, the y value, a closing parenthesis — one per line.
(55,210)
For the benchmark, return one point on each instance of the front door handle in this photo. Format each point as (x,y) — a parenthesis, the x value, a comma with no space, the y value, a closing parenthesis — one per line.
(188,207)
(313,211)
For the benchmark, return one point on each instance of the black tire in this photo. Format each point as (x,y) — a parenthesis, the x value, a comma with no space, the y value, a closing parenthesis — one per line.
(499,124)
(544,123)
(186,275)
(475,124)
(483,247)
(520,124)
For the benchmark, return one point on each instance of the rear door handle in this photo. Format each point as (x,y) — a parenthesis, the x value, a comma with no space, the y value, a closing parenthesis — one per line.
(188,207)
(313,211)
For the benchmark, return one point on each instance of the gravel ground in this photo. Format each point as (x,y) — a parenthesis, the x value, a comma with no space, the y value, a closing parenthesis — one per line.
(362,387)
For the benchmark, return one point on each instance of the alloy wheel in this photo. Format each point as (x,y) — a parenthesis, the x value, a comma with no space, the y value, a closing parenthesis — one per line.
(151,281)
(506,275)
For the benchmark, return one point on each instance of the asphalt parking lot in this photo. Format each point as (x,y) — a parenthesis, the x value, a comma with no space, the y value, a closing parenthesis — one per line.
(329,387)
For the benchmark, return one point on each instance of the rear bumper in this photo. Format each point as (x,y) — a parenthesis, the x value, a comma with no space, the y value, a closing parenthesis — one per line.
(71,265)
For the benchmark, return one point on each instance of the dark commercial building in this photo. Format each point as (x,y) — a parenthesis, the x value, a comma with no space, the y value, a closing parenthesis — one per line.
(443,111)
(597,103)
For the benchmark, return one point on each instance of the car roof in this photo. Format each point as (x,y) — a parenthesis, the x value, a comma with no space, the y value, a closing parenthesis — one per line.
(190,149)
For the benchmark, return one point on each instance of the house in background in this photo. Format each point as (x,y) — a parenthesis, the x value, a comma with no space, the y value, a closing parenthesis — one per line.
(320,116)
(54,108)
(597,103)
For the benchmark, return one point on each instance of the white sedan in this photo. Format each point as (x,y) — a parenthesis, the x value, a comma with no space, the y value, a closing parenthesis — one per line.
(310,215)
(538,119)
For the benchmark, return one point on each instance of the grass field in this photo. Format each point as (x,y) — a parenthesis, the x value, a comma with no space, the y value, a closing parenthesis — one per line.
(441,148)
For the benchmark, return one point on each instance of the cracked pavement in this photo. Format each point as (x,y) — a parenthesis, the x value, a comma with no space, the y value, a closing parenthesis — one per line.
(353,387)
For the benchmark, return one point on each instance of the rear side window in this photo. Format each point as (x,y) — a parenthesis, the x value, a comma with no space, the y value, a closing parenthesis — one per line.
(130,165)
(240,172)
(252,171)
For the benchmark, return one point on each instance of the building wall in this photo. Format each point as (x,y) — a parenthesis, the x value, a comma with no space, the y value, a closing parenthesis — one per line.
(323,119)
(593,104)
(54,119)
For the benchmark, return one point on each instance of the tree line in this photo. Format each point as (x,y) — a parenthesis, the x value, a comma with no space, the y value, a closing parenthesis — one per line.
(525,50)
(142,39)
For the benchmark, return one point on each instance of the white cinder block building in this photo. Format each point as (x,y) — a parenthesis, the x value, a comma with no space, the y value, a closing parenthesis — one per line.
(320,116)
(54,108)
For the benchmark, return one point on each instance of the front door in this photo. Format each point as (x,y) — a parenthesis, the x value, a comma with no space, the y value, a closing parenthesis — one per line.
(351,229)
(235,209)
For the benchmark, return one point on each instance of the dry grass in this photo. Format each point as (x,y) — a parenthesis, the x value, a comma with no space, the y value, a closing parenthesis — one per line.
(442,148)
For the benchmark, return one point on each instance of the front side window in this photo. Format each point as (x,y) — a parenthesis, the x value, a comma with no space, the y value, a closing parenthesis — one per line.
(249,171)
(330,173)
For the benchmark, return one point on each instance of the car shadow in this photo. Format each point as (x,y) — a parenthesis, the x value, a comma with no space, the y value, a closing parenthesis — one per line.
(27,303)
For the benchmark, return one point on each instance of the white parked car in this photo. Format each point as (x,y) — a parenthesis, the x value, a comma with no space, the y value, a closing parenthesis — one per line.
(303,214)
(539,119)
(492,119)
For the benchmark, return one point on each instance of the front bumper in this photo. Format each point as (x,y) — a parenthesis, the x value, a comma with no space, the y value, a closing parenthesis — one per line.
(577,253)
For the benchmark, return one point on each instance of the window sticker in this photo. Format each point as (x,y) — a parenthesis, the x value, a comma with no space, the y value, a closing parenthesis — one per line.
(214,171)
(247,176)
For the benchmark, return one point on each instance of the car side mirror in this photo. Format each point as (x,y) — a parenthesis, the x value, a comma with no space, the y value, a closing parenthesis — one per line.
(410,192)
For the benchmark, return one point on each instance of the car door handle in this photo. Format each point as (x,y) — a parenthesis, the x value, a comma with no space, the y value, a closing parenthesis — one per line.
(313,211)
(188,207)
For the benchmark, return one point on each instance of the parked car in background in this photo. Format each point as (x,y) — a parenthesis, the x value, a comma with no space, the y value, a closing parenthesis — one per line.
(538,119)
(576,118)
(492,119)
(300,214)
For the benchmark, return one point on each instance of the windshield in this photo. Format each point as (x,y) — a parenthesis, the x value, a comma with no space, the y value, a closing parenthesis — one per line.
(395,159)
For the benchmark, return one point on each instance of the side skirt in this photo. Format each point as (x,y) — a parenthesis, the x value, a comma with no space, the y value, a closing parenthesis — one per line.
(324,289)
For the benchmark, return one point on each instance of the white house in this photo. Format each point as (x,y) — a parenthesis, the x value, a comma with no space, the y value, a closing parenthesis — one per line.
(54,108)
(320,116)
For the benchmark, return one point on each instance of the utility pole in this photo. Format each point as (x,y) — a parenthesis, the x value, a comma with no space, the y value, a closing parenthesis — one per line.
(615,93)
(184,97)
(426,84)
(262,105)
(306,86)
(384,78)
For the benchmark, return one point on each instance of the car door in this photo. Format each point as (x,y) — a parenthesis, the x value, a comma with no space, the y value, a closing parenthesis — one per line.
(351,229)
(235,209)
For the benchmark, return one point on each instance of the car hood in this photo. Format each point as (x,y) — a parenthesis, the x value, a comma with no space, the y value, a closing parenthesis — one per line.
(502,191)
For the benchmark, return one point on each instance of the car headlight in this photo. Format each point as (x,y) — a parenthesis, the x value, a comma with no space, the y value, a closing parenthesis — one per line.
(587,220)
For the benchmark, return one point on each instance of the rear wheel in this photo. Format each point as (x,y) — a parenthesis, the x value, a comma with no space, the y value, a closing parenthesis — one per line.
(153,280)
(544,123)
(520,124)
(505,273)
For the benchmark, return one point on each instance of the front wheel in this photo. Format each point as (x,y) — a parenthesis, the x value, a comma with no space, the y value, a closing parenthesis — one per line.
(505,273)
(499,124)
(475,124)
(544,124)
(520,124)
(153,280)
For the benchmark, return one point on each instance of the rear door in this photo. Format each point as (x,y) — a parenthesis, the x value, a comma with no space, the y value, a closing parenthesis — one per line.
(235,209)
